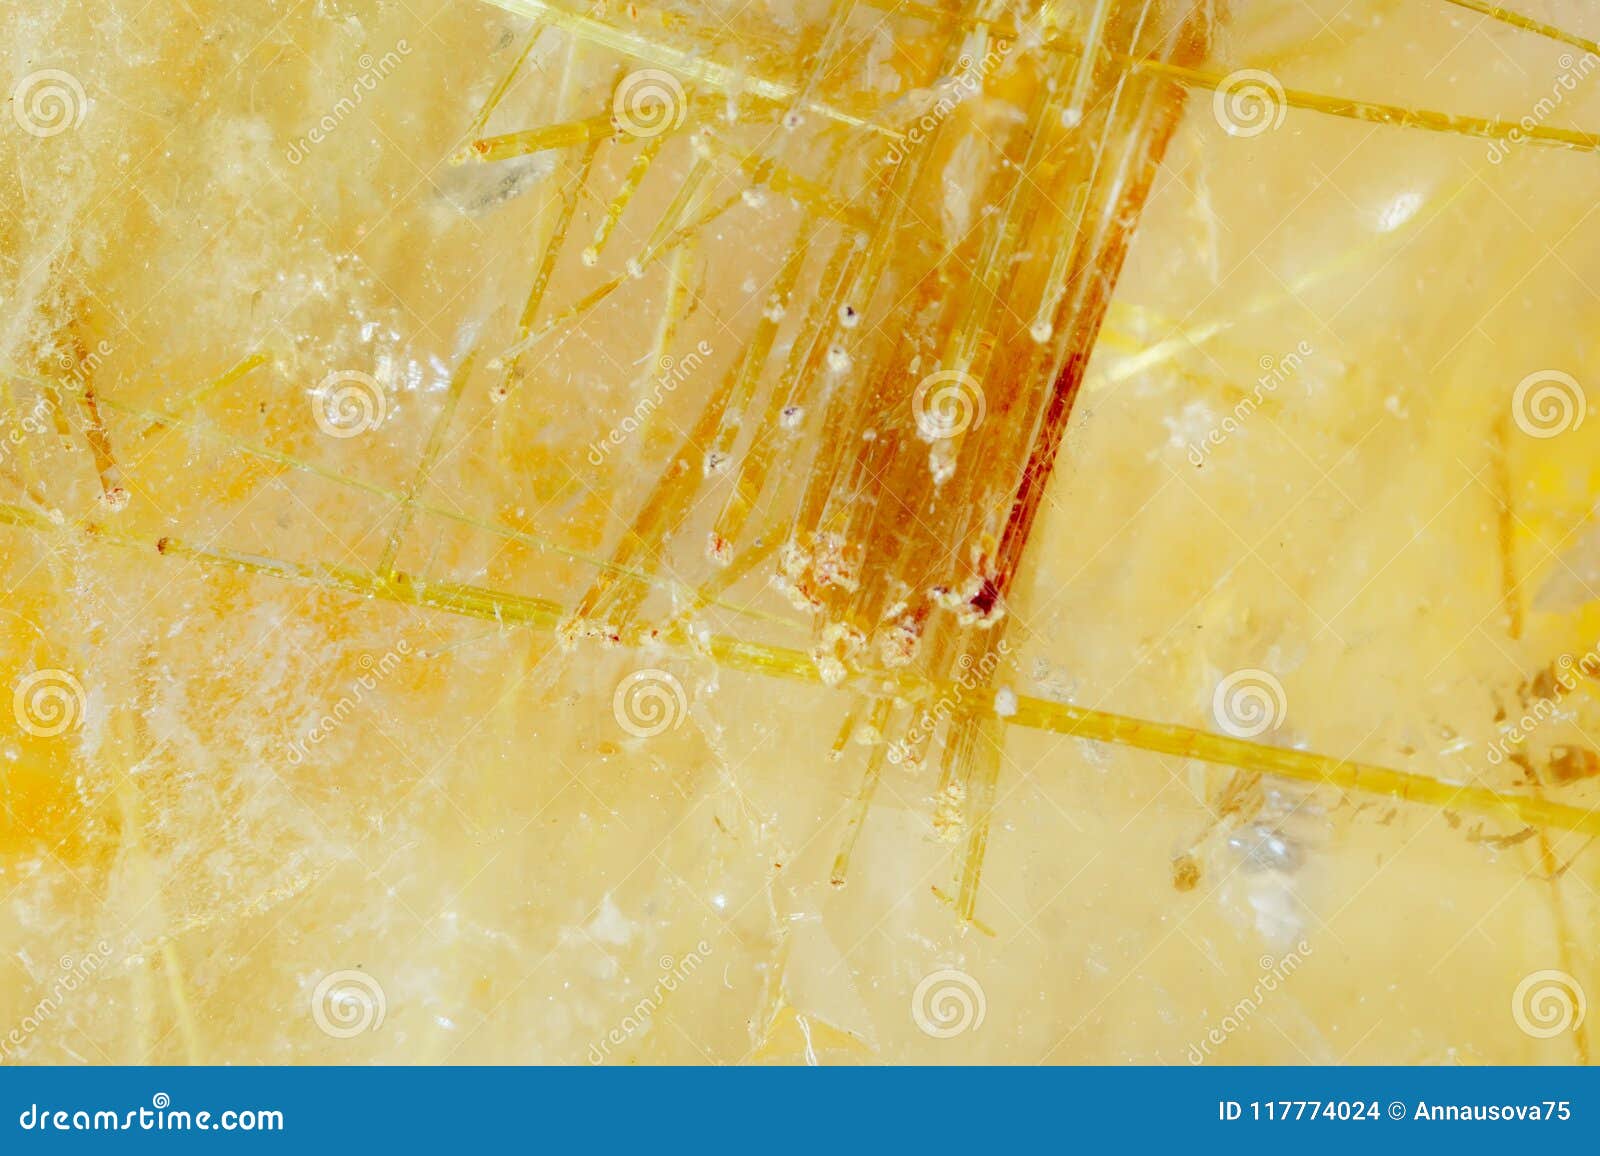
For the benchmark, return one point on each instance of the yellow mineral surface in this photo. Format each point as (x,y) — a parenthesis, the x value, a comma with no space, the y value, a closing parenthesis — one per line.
(837,531)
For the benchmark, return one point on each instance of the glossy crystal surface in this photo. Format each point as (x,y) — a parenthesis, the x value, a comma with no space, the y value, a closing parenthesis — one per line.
(841,532)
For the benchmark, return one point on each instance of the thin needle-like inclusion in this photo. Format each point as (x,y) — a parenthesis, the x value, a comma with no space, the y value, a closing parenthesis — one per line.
(968,770)
(702,70)
(867,522)
(512,610)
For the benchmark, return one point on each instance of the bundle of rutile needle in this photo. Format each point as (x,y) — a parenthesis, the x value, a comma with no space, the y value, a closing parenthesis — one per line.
(944,199)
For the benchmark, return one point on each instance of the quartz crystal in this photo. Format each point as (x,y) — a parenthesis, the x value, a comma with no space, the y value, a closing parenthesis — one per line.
(844,531)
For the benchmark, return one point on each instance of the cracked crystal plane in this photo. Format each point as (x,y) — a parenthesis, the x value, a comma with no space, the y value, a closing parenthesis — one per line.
(840,532)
